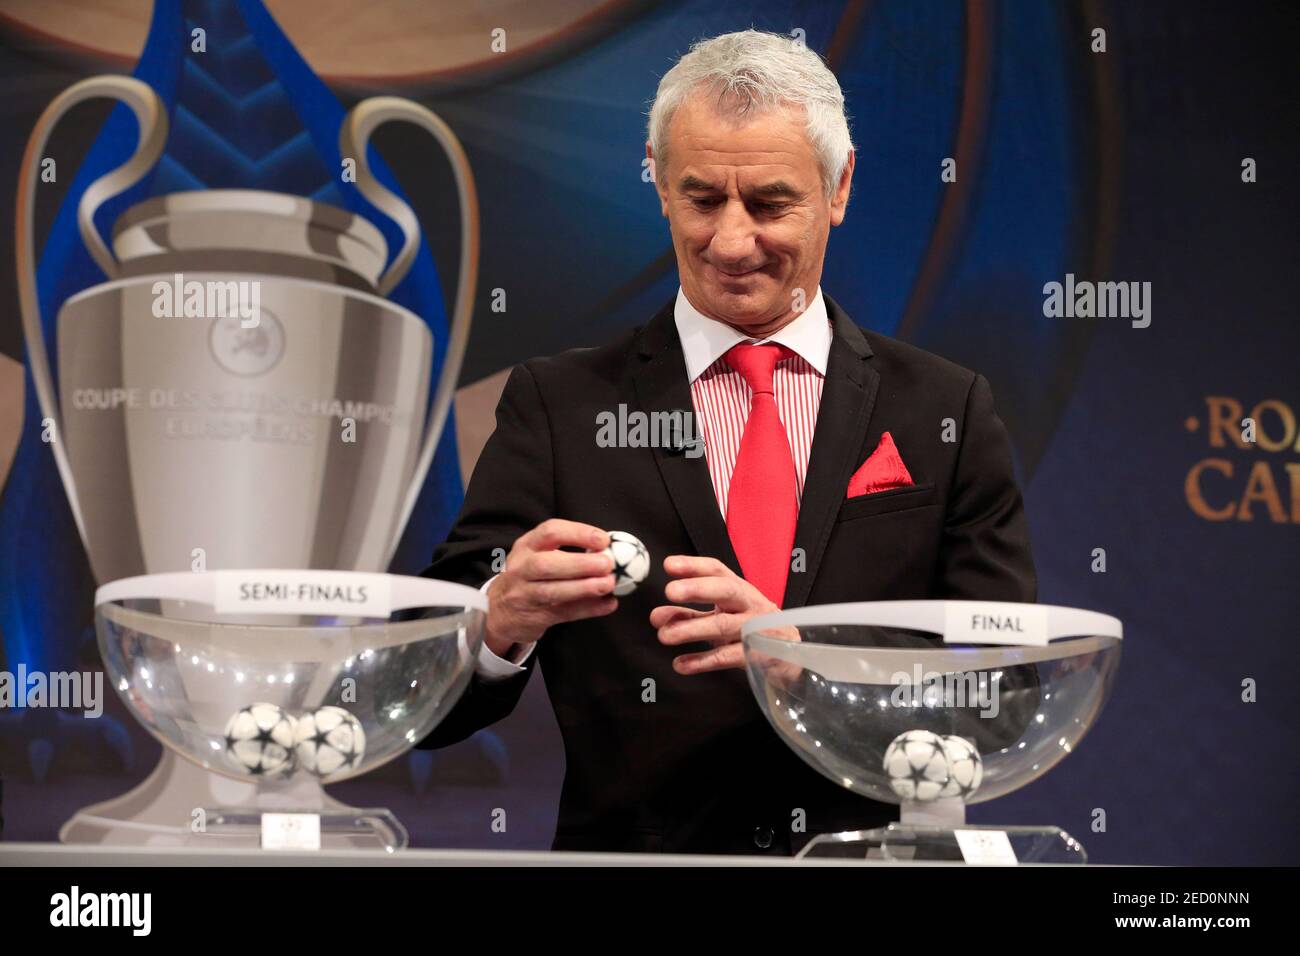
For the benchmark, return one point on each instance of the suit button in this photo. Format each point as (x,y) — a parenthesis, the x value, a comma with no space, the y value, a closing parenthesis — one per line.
(762,837)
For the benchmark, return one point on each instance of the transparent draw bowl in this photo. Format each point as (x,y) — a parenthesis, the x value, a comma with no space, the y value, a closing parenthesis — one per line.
(265,674)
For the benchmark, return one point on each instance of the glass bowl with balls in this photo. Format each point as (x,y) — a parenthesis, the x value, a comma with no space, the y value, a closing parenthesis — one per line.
(281,681)
(935,706)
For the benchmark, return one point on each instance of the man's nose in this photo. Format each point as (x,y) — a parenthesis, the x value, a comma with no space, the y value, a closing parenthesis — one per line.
(735,238)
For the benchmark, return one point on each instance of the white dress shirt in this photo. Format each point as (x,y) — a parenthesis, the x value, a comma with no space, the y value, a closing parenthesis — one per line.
(721,395)
(721,398)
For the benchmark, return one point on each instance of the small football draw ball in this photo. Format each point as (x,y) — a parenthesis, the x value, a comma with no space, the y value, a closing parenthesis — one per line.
(329,742)
(965,768)
(631,561)
(259,740)
(917,765)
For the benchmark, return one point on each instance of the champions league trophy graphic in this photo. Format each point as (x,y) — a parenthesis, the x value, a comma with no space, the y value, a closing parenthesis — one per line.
(240,395)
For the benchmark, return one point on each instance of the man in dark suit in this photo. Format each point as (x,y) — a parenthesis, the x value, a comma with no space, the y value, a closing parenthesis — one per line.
(803,417)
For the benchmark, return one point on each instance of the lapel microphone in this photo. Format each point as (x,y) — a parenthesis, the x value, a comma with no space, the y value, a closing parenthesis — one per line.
(678,442)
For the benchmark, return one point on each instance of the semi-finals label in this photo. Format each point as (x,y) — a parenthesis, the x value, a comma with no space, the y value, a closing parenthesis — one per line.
(303,592)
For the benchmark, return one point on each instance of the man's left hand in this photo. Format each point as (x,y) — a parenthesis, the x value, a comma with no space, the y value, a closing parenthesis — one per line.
(734,600)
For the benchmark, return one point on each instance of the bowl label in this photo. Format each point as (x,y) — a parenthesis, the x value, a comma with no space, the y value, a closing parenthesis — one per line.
(349,593)
(290,831)
(986,847)
(990,622)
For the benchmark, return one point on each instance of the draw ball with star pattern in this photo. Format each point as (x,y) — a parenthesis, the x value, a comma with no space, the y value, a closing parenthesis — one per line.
(631,561)
(329,742)
(259,740)
(917,765)
(965,766)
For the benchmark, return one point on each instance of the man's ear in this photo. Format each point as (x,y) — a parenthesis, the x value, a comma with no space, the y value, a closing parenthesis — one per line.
(840,201)
(660,188)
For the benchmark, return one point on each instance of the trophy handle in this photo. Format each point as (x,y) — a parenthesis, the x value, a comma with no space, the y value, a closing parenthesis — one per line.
(151,116)
(354,137)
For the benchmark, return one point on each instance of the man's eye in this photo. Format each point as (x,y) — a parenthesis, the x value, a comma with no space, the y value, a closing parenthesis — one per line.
(703,202)
(769,206)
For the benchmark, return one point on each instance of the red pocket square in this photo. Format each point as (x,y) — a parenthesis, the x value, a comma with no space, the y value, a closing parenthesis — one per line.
(883,469)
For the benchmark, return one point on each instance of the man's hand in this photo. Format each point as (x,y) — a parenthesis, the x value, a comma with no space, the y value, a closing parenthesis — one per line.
(735,600)
(542,586)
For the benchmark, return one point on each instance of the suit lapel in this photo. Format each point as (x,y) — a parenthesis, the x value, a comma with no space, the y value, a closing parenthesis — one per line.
(659,378)
(848,396)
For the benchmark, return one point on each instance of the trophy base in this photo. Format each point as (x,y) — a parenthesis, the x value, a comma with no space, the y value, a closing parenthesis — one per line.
(920,843)
(173,806)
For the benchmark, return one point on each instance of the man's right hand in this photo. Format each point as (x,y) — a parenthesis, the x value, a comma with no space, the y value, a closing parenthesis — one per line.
(542,585)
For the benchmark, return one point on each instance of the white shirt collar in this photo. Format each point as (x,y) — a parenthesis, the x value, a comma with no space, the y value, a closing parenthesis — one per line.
(705,340)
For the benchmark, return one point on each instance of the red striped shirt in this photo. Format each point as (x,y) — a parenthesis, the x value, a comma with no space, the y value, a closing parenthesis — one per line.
(721,398)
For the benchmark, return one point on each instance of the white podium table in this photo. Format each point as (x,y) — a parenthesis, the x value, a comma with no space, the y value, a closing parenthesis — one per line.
(65,855)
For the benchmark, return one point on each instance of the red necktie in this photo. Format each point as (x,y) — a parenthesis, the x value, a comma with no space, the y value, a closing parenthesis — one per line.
(762,502)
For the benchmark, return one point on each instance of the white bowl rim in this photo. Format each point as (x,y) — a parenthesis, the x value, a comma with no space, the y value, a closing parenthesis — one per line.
(933,616)
(387,592)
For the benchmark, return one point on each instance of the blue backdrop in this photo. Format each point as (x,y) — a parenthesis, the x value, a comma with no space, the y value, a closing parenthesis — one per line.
(1121,165)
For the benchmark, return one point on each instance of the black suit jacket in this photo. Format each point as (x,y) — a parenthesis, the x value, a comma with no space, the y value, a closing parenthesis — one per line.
(700,769)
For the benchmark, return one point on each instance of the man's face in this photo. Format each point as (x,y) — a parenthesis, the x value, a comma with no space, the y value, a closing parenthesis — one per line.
(747,211)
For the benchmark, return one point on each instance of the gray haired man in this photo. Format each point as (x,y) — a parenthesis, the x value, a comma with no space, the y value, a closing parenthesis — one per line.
(824,479)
